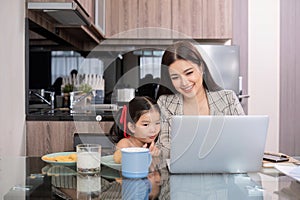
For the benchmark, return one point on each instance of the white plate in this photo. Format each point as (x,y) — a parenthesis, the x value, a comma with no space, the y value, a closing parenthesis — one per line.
(109,161)
(59,154)
(58,170)
(291,171)
(110,173)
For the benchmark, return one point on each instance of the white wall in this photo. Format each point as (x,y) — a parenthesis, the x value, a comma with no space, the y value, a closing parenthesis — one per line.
(263,69)
(12,84)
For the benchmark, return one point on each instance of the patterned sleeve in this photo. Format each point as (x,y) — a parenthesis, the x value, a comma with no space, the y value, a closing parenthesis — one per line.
(164,137)
(235,105)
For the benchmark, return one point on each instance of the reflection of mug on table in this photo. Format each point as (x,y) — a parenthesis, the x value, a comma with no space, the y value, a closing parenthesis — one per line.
(138,189)
(135,162)
(88,158)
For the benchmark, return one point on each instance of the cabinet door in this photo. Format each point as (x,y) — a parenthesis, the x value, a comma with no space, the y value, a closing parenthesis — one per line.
(89,8)
(154,19)
(43,137)
(202,19)
(187,18)
(138,18)
(217,19)
(121,18)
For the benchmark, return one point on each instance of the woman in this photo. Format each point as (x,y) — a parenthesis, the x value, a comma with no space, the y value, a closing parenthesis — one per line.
(187,76)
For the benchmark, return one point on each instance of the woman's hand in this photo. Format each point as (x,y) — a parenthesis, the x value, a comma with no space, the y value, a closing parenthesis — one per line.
(154,151)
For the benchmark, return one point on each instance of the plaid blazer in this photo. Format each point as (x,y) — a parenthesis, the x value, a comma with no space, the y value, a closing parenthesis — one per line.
(223,102)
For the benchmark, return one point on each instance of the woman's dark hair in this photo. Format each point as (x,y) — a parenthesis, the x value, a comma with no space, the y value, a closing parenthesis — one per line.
(183,50)
(135,109)
(56,87)
(74,72)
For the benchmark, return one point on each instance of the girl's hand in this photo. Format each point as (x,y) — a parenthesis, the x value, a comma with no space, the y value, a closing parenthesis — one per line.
(154,151)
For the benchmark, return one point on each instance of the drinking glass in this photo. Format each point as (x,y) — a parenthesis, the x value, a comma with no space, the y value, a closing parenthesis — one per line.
(88,158)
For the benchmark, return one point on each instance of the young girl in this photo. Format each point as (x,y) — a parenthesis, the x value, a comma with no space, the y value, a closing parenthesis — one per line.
(137,125)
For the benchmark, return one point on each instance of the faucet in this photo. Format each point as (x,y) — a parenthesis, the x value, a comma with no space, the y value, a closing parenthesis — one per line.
(42,97)
(73,100)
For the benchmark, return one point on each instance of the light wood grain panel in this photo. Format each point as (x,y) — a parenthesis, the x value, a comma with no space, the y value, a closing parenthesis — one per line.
(111,18)
(128,19)
(55,136)
(187,18)
(134,19)
(217,19)
(121,19)
(154,19)
(89,7)
(36,138)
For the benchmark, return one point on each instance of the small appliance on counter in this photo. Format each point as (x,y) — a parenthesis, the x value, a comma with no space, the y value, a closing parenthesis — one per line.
(125,95)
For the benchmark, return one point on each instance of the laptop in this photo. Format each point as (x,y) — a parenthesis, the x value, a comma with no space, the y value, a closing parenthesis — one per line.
(217,144)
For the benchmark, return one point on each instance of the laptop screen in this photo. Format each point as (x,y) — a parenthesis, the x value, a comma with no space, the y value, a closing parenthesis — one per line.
(201,144)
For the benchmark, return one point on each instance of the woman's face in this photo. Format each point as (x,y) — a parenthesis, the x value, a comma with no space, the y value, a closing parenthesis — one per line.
(186,77)
(146,129)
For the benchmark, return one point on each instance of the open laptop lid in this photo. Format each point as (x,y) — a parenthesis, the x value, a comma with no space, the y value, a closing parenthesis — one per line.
(217,144)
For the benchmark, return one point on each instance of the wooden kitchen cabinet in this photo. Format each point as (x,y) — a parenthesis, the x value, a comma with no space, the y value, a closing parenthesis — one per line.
(197,19)
(121,16)
(154,19)
(217,19)
(72,28)
(89,8)
(187,17)
(43,137)
(202,19)
(127,18)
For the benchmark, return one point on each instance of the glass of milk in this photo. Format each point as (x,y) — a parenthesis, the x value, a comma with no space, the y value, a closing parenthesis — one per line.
(88,186)
(88,158)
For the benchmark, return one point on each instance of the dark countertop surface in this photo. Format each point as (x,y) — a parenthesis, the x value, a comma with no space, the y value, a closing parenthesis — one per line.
(67,115)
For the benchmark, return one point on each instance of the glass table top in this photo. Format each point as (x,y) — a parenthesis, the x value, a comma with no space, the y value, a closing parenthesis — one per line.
(31,178)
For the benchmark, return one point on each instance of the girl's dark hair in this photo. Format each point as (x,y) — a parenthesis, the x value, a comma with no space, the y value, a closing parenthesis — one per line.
(135,109)
(183,50)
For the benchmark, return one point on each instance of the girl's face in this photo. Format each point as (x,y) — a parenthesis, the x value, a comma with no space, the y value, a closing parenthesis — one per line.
(146,129)
(186,77)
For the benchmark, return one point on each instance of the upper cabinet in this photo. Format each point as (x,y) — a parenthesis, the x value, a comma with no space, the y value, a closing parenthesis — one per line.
(217,19)
(198,19)
(83,24)
(202,19)
(69,23)
(187,17)
(89,7)
(135,18)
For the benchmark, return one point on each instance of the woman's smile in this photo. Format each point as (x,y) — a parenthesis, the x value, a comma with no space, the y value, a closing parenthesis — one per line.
(187,89)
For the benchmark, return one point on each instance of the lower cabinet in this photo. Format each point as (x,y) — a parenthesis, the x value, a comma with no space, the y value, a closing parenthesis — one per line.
(43,137)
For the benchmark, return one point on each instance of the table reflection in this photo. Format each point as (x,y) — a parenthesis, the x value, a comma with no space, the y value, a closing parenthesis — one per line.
(108,184)
(214,186)
(45,181)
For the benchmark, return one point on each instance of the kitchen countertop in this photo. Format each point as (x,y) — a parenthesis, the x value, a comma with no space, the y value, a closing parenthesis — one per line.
(67,115)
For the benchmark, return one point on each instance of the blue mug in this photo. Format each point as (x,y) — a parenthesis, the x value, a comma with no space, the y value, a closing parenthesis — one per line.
(135,162)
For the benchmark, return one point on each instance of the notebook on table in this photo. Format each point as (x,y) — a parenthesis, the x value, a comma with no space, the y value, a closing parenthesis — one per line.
(217,144)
